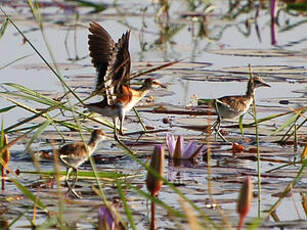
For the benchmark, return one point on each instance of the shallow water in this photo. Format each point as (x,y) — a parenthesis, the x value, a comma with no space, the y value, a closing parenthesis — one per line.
(214,65)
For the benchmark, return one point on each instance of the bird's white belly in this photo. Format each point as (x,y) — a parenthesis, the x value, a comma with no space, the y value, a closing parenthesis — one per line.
(227,112)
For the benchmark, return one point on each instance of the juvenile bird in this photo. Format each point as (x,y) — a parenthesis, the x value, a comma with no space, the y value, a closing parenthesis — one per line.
(75,154)
(232,107)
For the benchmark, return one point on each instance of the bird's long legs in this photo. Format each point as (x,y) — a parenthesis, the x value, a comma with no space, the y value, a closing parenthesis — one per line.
(115,128)
(71,187)
(121,118)
(76,179)
(217,124)
(217,128)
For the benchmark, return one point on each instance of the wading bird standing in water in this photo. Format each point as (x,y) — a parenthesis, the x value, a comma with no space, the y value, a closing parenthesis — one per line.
(112,63)
(232,107)
(75,154)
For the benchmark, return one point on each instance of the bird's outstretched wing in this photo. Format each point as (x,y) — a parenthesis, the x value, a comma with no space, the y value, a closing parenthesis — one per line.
(112,60)
(119,66)
(101,47)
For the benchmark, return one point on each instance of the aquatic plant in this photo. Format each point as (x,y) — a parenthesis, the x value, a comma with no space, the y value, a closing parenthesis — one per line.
(157,163)
(154,183)
(245,200)
(177,150)
(105,219)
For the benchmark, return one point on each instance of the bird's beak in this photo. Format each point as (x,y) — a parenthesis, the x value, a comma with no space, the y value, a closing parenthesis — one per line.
(265,84)
(160,84)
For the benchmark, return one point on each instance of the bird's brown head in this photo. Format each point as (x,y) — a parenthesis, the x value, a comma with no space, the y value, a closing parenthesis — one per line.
(259,82)
(153,83)
(98,134)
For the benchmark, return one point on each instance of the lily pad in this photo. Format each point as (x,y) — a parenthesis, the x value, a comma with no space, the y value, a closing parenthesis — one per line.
(178,66)
(266,69)
(43,66)
(255,52)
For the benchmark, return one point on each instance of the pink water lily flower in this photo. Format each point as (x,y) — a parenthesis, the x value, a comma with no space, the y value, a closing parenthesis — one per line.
(177,150)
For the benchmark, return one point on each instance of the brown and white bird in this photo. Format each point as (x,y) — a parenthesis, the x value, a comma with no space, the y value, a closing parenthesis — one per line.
(232,107)
(112,62)
(75,154)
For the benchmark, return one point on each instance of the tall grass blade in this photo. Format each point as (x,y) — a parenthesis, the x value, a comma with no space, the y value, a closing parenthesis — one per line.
(35,11)
(127,209)
(8,108)
(51,221)
(304,153)
(191,217)
(111,176)
(30,98)
(17,218)
(286,124)
(39,131)
(97,6)
(241,125)
(3,27)
(298,110)
(2,134)
(30,195)
(42,114)
(33,95)
(14,61)
(27,120)
(59,77)
(286,191)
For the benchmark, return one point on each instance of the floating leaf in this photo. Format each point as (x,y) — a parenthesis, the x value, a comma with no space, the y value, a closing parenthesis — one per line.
(254,52)
(266,69)
(237,148)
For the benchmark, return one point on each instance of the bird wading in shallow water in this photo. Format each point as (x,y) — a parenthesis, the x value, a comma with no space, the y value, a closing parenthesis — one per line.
(232,107)
(75,154)
(112,63)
